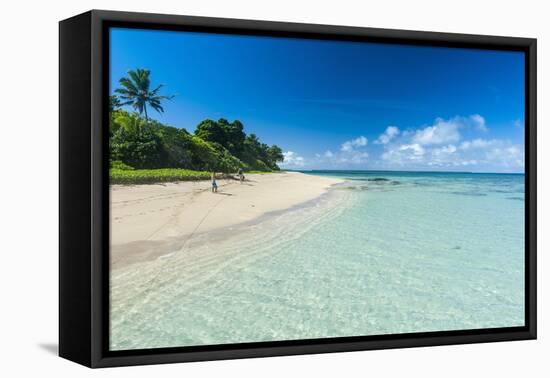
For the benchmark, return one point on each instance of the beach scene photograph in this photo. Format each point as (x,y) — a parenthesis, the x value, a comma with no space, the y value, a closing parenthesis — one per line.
(273,189)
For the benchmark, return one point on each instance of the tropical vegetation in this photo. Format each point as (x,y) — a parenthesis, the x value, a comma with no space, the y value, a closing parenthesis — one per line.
(147,176)
(143,150)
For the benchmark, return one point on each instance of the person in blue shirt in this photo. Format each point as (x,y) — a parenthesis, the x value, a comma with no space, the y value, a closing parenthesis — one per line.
(241,175)
(214,184)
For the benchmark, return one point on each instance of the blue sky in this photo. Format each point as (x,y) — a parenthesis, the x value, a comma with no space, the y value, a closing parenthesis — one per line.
(341,105)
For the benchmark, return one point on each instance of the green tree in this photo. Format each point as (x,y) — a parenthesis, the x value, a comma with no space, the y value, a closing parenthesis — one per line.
(230,135)
(130,122)
(211,131)
(139,149)
(176,145)
(252,153)
(252,147)
(234,136)
(136,91)
(204,155)
(274,155)
(225,162)
(216,146)
(114,103)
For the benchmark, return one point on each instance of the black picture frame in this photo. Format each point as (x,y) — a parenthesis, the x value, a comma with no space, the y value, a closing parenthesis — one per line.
(84,192)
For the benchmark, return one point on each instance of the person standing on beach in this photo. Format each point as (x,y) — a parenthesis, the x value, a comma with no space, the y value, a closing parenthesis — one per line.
(241,175)
(214,184)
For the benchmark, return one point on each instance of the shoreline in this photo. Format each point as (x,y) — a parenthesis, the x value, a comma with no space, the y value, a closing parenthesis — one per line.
(152,220)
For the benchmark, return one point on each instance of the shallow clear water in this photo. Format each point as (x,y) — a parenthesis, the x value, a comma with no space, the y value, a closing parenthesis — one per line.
(385,252)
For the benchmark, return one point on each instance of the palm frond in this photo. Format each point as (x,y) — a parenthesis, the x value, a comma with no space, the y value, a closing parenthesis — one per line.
(128,84)
(155,91)
(125,92)
(134,91)
(157,107)
(140,77)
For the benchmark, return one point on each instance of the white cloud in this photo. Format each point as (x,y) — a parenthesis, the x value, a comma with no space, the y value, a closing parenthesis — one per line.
(336,160)
(478,122)
(350,145)
(440,146)
(485,153)
(388,135)
(477,144)
(442,131)
(415,149)
(404,154)
(292,159)
(505,154)
(445,150)
(352,152)
(359,157)
(448,131)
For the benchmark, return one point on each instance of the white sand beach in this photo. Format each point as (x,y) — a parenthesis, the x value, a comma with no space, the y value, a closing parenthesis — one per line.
(142,214)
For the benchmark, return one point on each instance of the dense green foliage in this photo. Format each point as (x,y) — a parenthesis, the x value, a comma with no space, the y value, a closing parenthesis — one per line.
(149,176)
(216,146)
(138,143)
(229,135)
(117,164)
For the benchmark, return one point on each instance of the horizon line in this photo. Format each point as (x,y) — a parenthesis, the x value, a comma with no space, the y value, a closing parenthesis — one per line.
(392,170)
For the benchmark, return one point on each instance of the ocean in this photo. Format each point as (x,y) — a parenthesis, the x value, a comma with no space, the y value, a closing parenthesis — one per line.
(381,253)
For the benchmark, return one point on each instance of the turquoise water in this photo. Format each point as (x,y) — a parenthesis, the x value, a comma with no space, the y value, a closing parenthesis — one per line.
(384,252)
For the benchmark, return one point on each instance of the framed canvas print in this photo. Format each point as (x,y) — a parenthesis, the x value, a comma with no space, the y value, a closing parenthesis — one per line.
(233,188)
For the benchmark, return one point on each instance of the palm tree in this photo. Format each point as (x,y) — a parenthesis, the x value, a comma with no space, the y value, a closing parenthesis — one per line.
(135,91)
(114,103)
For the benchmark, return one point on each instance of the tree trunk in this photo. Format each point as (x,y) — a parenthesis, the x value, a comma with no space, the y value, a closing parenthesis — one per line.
(146,118)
